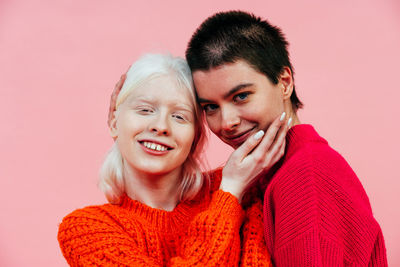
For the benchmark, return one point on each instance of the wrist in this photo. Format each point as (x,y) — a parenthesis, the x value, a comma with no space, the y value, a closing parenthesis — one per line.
(233,189)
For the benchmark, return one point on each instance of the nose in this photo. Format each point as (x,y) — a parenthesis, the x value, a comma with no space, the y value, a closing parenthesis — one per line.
(230,119)
(160,125)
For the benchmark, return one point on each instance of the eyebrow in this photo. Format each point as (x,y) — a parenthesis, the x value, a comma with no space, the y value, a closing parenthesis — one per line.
(228,94)
(180,106)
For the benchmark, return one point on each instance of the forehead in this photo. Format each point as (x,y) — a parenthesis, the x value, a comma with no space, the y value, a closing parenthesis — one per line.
(163,89)
(226,77)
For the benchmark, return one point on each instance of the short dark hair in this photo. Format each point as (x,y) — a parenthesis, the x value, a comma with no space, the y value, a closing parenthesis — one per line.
(229,36)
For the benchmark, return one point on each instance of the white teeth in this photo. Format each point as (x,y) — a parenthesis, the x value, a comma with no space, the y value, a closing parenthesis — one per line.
(154,146)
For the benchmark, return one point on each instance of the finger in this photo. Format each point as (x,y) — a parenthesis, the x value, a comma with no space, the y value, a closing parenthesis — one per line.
(244,149)
(113,99)
(281,135)
(277,148)
(276,156)
(269,137)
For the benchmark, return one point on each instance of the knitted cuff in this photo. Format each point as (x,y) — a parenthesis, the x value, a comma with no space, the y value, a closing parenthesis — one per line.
(226,204)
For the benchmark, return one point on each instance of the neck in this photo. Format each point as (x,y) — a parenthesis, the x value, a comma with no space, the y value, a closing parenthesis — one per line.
(159,191)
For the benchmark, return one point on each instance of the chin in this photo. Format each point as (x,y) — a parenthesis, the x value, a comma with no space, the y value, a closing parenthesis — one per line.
(157,171)
(152,169)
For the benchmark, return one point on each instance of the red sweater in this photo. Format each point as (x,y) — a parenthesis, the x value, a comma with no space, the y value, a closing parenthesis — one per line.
(316,212)
(211,230)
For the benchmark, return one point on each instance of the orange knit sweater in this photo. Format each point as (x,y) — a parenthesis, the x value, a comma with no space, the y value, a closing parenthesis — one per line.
(211,230)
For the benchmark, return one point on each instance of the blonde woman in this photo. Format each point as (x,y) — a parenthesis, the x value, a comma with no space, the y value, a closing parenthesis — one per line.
(165,211)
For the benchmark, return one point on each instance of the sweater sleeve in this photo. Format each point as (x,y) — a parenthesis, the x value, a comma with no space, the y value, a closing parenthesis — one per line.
(293,221)
(213,237)
(254,249)
(378,255)
(90,237)
(316,223)
(87,239)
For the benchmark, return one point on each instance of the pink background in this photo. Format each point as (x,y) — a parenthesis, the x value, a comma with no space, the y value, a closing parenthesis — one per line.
(59,61)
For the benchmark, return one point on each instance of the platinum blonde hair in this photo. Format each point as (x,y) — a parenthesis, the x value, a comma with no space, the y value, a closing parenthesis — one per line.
(146,68)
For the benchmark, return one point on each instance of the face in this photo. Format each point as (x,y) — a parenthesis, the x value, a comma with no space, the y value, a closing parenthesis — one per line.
(238,101)
(155,127)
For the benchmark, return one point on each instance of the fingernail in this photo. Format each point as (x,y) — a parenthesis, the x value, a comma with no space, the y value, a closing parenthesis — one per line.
(289,122)
(259,134)
(283,116)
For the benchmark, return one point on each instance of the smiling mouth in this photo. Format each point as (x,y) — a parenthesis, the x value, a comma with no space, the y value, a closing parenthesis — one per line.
(236,137)
(155,146)
(236,140)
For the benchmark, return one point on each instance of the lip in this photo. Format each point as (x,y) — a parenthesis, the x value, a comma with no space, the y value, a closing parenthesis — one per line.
(154,152)
(238,139)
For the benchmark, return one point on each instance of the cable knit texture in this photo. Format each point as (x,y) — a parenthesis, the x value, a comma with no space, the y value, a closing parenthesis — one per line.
(201,232)
(316,211)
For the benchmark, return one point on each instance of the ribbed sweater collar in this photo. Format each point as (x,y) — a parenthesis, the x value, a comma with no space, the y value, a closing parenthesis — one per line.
(169,221)
(300,135)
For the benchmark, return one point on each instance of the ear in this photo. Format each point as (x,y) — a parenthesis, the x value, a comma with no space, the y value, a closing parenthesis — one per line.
(113,126)
(286,82)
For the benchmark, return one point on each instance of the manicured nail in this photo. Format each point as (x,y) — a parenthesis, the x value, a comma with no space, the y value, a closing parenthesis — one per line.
(283,116)
(289,122)
(259,134)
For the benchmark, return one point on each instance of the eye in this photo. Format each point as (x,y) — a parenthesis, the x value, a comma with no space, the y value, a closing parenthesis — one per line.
(210,108)
(179,117)
(144,110)
(241,97)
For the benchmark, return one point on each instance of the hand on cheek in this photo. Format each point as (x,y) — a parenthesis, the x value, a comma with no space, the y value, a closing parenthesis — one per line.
(254,157)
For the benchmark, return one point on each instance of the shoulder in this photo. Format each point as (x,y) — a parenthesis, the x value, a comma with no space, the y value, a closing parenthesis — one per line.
(98,235)
(97,222)
(319,178)
(92,217)
(324,172)
(316,162)
(91,211)
(315,171)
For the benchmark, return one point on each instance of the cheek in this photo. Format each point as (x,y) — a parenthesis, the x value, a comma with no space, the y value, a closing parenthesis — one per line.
(265,108)
(122,128)
(129,125)
(186,138)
